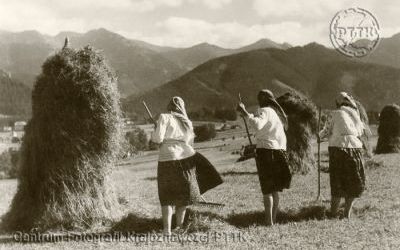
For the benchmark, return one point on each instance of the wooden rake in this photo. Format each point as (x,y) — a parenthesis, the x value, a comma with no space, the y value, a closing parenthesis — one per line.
(319,196)
(249,151)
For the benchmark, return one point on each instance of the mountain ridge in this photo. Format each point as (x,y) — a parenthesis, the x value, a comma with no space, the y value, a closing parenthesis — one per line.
(314,70)
(140,66)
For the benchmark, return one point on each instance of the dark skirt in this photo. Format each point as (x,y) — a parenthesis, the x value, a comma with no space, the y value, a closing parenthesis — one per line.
(207,176)
(177,182)
(273,170)
(346,171)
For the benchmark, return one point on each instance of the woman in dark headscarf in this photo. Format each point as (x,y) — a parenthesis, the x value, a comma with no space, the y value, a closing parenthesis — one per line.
(272,165)
(346,170)
(176,175)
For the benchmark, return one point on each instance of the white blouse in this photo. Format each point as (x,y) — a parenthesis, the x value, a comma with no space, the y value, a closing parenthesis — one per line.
(270,132)
(342,131)
(174,139)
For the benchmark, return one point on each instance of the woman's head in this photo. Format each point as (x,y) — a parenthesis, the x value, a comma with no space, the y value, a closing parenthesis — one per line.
(177,107)
(344,99)
(176,104)
(265,98)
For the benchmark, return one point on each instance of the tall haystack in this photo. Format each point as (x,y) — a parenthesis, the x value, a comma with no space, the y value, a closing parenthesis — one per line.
(69,147)
(303,119)
(389,130)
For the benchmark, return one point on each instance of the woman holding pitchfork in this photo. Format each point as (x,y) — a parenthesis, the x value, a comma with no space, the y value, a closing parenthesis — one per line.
(271,159)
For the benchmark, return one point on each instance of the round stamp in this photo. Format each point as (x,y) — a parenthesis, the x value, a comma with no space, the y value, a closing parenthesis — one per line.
(354,32)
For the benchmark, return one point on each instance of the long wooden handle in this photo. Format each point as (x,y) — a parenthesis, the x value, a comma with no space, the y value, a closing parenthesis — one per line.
(148,112)
(319,154)
(245,124)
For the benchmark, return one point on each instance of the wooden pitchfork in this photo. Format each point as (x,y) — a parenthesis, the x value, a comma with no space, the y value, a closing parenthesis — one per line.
(319,155)
(245,124)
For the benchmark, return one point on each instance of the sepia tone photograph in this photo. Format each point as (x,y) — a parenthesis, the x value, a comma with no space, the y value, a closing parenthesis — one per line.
(199,124)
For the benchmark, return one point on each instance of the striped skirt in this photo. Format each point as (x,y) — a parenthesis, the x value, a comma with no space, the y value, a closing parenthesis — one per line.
(346,171)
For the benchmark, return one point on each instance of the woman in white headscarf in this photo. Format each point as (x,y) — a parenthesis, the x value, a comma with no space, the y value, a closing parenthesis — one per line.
(344,129)
(271,159)
(176,174)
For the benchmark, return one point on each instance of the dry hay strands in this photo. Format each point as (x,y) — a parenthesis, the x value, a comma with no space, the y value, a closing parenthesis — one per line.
(303,122)
(70,146)
(389,130)
(365,138)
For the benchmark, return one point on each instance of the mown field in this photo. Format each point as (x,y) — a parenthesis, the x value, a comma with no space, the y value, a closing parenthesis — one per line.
(303,221)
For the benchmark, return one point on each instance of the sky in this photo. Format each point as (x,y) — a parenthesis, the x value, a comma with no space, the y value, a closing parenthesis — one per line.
(184,23)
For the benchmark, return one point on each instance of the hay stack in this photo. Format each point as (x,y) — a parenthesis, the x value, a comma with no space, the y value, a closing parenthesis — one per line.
(389,130)
(364,138)
(70,145)
(302,116)
(363,112)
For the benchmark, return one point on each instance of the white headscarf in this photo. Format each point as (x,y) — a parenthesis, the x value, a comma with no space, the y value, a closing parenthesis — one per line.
(267,99)
(177,108)
(347,103)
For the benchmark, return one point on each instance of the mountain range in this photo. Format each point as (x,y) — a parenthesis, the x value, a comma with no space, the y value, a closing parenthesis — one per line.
(386,53)
(314,70)
(140,66)
(189,58)
(206,74)
(15,97)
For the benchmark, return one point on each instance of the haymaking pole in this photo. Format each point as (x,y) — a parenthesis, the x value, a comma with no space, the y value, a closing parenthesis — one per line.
(245,124)
(319,154)
(149,113)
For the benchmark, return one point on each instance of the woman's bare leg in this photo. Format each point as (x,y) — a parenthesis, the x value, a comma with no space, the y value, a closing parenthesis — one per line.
(180,215)
(268,204)
(349,201)
(275,207)
(167,217)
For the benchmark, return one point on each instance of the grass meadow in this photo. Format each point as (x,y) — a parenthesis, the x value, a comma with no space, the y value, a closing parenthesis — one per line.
(303,222)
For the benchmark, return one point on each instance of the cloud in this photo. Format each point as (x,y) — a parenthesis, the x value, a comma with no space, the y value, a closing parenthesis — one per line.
(216,4)
(187,22)
(51,17)
(386,11)
(30,15)
(319,13)
(133,6)
(141,6)
(289,9)
(184,32)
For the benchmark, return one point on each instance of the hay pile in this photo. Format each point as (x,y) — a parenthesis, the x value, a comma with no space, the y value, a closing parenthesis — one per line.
(363,112)
(303,123)
(364,138)
(389,130)
(70,145)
